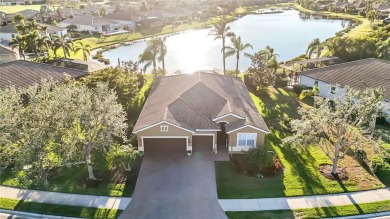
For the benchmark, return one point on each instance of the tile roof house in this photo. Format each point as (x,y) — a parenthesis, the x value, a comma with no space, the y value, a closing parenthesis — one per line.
(8,31)
(358,75)
(91,23)
(199,111)
(87,66)
(22,73)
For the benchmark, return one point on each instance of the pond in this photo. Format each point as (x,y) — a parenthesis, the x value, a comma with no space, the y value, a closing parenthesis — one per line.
(289,33)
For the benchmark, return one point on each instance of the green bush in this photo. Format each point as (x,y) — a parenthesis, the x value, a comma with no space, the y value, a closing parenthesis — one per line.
(298,89)
(262,159)
(381,167)
(106,61)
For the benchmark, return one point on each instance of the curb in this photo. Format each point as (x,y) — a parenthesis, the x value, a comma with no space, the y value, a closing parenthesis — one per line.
(20,214)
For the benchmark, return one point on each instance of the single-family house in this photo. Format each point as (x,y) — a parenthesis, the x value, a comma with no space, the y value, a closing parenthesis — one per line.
(86,66)
(383,8)
(359,75)
(124,18)
(8,31)
(22,74)
(91,23)
(196,111)
(7,54)
(28,14)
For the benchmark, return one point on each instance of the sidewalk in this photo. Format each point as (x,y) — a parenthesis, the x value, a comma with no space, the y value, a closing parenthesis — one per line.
(64,198)
(315,201)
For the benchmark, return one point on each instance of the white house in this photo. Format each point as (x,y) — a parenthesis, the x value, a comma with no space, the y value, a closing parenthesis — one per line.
(359,75)
(92,24)
(8,31)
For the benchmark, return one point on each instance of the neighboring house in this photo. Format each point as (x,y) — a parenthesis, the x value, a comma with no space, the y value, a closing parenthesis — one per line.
(124,18)
(359,75)
(22,74)
(383,8)
(8,31)
(359,5)
(86,66)
(199,111)
(11,2)
(28,14)
(7,55)
(91,23)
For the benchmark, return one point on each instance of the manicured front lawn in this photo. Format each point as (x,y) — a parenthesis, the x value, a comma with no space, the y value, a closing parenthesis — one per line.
(62,210)
(16,8)
(301,175)
(338,211)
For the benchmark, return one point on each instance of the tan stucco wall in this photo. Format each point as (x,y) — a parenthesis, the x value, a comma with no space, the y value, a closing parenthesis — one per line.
(233,136)
(229,119)
(155,131)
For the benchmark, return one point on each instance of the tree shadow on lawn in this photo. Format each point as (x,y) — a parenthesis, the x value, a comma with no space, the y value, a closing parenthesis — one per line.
(64,210)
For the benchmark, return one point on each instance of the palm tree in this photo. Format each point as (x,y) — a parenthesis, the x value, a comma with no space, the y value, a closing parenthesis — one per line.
(43,43)
(86,49)
(33,25)
(237,48)
(31,40)
(220,31)
(316,46)
(271,58)
(21,28)
(18,18)
(19,42)
(149,57)
(159,45)
(63,42)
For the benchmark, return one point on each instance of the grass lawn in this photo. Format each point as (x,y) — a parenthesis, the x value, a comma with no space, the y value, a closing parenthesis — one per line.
(338,211)
(16,8)
(62,210)
(362,30)
(301,175)
(72,179)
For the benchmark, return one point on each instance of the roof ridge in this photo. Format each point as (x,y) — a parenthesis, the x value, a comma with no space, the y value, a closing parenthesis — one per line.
(310,71)
(189,105)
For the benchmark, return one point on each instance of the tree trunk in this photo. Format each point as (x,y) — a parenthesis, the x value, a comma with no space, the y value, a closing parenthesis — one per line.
(238,58)
(64,53)
(90,168)
(223,55)
(373,123)
(334,167)
(163,64)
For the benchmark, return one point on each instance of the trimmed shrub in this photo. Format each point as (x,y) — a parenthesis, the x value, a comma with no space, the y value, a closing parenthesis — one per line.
(381,167)
(281,82)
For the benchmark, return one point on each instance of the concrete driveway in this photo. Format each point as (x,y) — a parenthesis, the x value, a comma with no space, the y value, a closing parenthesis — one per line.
(176,186)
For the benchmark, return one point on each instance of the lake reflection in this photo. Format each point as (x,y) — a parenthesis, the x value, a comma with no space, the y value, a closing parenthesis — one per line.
(287,33)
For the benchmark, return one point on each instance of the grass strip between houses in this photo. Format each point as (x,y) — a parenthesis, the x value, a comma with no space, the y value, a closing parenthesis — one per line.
(60,210)
(339,211)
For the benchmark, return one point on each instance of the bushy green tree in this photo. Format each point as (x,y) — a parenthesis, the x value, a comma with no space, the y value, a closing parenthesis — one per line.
(337,125)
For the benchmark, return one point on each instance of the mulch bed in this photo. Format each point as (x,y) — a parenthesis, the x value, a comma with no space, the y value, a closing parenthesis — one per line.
(326,171)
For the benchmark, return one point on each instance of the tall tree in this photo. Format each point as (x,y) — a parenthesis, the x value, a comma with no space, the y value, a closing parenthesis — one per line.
(160,43)
(384,50)
(65,43)
(337,125)
(18,18)
(149,58)
(221,30)
(43,44)
(236,49)
(262,69)
(19,42)
(85,49)
(314,46)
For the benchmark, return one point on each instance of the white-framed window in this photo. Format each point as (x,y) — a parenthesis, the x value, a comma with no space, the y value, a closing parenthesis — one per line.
(164,128)
(246,139)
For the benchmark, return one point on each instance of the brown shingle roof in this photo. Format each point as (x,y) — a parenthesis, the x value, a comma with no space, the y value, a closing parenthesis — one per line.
(192,101)
(361,74)
(22,73)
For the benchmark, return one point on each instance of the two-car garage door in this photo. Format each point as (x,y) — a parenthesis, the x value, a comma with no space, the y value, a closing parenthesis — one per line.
(164,145)
(177,145)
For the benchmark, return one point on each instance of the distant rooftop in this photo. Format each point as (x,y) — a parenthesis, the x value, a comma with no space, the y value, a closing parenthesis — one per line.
(86,66)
